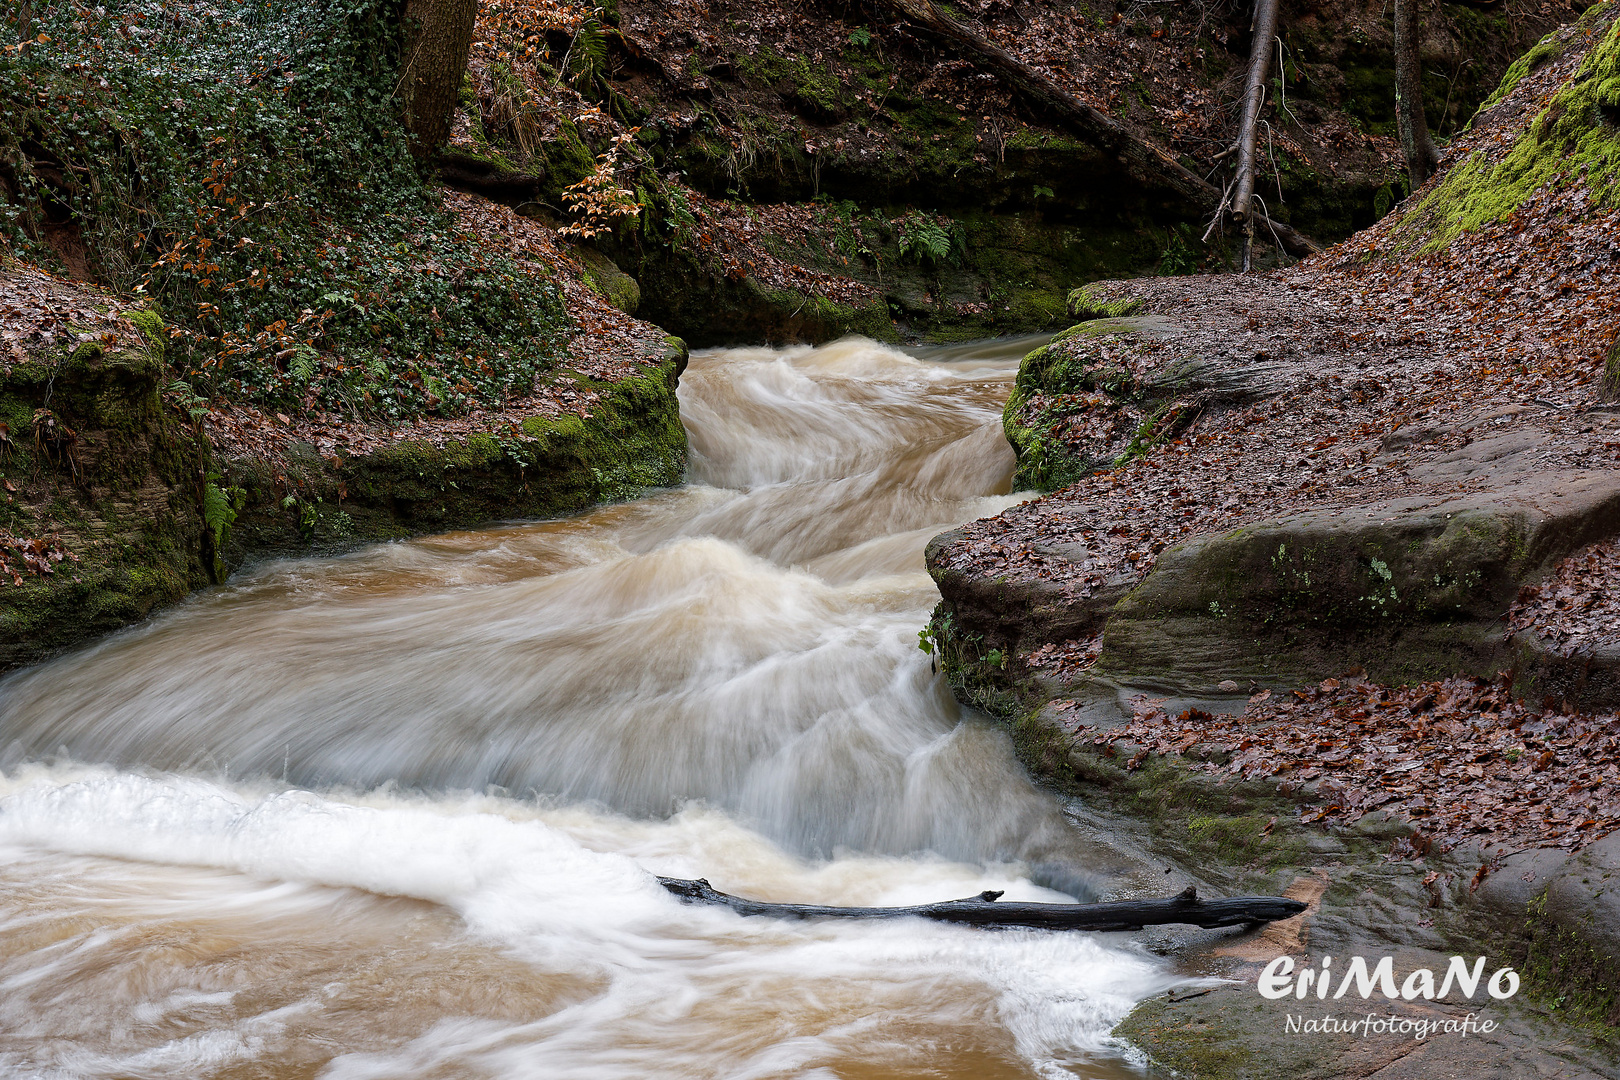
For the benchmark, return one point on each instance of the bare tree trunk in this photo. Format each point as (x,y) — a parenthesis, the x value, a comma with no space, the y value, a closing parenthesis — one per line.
(1254,99)
(1146,160)
(1421,157)
(438,37)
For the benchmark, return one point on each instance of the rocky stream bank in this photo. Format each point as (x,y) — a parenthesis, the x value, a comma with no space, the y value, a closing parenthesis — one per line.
(1321,596)
(123,493)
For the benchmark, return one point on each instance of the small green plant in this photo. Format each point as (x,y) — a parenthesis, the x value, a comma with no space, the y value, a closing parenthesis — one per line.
(187,400)
(1391,193)
(1178,256)
(1147,436)
(922,237)
(860,37)
(586,60)
(219,509)
(680,221)
(1383,200)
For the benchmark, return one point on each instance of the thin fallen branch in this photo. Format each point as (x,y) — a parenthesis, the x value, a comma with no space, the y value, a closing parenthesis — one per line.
(983,910)
(1143,158)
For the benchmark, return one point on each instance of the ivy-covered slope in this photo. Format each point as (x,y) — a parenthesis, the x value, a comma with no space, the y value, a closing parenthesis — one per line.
(243,165)
(331,347)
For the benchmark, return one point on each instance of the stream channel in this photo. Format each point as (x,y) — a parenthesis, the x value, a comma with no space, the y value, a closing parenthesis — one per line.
(396,814)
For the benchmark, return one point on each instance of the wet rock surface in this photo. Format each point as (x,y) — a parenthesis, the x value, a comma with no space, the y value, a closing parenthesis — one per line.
(1176,830)
(1406,588)
(1305,520)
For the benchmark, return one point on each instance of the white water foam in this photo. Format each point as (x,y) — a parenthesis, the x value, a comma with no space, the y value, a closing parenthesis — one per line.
(661,988)
(719,681)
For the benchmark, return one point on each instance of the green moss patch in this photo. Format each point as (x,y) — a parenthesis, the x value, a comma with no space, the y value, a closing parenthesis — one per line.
(547,467)
(1575,137)
(1088,302)
(1564,974)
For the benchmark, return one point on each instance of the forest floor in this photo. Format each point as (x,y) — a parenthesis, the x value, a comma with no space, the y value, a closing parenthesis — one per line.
(1371,381)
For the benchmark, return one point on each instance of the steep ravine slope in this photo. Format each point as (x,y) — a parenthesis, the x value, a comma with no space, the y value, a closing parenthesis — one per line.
(793,171)
(1359,460)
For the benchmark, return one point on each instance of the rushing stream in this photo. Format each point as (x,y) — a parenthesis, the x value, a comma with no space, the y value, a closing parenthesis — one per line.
(393,814)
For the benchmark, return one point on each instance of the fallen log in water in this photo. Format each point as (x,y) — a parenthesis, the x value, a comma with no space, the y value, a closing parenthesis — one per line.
(983,910)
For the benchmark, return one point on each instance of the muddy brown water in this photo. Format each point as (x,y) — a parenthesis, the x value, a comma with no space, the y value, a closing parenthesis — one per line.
(396,814)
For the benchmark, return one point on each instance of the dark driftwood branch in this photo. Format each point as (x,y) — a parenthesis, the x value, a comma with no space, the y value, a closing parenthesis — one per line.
(1142,157)
(982,910)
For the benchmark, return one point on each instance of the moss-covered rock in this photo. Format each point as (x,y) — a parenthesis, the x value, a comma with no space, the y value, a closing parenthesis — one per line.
(1071,375)
(631,441)
(1093,302)
(612,284)
(96,467)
